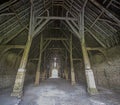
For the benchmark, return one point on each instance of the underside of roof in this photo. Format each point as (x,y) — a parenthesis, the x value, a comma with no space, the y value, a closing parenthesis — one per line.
(102,23)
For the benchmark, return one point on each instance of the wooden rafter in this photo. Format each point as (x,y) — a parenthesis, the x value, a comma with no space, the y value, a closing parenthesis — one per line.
(106,11)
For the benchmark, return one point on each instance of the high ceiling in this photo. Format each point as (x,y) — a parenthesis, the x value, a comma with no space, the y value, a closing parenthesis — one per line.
(102,22)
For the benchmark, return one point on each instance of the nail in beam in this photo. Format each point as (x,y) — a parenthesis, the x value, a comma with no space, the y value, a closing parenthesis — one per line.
(73,82)
(20,77)
(91,86)
(37,79)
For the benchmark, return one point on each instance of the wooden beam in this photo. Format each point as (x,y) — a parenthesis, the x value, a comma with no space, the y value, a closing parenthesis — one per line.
(46,45)
(6,14)
(77,59)
(106,11)
(34,59)
(37,78)
(55,49)
(102,50)
(13,36)
(7,4)
(73,81)
(40,27)
(68,49)
(18,18)
(91,86)
(108,21)
(85,3)
(57,18)
(97,48)
(13,46)
(20,77)
(56,39)
(73,29)
(99,41)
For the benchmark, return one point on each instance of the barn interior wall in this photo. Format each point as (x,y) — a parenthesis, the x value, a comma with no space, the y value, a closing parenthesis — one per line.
(107,69)
(9,64)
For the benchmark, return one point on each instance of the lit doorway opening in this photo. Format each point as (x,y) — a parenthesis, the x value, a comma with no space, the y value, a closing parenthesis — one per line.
(54,73)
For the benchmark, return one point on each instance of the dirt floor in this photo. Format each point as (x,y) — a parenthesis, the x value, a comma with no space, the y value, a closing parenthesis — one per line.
(60,92)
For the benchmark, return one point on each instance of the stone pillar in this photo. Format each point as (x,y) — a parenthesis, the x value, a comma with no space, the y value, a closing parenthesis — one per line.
(73,81)
(19,81)
(91,87)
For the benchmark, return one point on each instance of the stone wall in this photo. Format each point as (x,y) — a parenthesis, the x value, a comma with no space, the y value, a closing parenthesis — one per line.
(9,64)
(107,69)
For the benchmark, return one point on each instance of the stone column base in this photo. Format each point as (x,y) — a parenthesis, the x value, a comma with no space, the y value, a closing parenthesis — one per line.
(91,82)
(73,83)
(17,94)
(19,82)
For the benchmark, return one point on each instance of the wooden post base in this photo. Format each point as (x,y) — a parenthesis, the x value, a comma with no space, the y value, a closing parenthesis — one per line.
(37,79)
(73,82)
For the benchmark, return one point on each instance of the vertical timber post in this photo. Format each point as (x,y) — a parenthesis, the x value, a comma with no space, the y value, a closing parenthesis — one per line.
(44,75)
(66,68)
(37,78)
(91,86)
(66,74)
(73,82)
(20,77)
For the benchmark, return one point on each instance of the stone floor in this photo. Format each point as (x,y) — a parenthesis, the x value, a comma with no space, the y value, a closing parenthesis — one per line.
(60,92)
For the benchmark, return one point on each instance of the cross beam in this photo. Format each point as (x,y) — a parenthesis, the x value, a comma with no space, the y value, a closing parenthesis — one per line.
(13,46)
(57,18)
(57,39)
